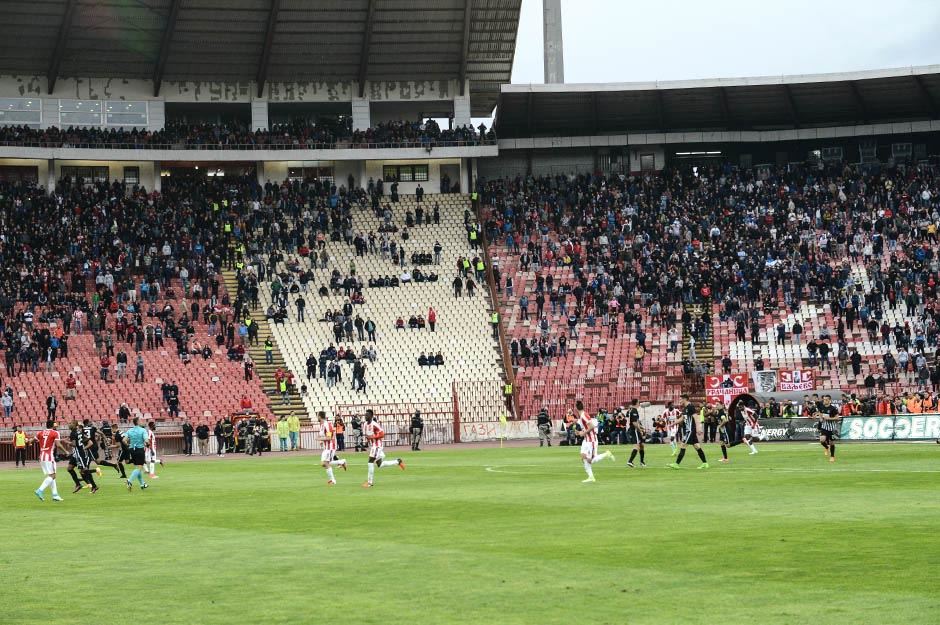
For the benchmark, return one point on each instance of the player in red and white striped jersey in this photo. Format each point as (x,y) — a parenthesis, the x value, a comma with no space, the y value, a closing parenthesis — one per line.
(751,428)
(48,440)
(375,434)
(588,432)
(328,458)
(671,416)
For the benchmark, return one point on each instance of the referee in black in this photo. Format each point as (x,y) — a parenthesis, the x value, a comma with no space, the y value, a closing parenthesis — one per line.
(829,424)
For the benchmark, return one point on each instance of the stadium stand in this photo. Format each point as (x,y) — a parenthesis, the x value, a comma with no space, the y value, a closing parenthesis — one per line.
(432,237)
(848,254)
(233,136)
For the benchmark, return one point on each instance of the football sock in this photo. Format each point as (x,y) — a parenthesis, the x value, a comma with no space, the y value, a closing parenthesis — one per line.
(329,474)
(672,443)
(724,452)
(587,468)
(632,455)
(701,454)
(386,463)
(45,484)
(600,457)
(55,488)
(371,472)
(680,456)
(752,447)
(642,454)
(824,444)
(336,463)
(832,449)
(75,477)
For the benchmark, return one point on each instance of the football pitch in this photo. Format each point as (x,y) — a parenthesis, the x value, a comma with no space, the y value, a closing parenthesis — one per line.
(489,536)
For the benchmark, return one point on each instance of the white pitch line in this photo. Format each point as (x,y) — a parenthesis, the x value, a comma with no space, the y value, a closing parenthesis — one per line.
(498,468)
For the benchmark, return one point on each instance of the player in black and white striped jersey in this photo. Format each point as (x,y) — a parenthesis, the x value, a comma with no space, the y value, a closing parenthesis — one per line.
(829,424)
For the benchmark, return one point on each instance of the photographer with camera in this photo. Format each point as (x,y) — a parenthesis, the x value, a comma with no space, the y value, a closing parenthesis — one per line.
(356,424)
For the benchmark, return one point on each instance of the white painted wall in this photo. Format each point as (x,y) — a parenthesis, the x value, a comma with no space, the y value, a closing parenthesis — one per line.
(361,115)
(259,115)
(636,152)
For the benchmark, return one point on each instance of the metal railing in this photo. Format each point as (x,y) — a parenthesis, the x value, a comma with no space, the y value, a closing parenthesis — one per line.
(336,145)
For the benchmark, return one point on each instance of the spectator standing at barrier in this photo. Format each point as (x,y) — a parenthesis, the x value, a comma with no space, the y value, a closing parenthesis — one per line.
(187,437)
(293,429)
(544,425)
(202,438)
(355,425)
(417,429)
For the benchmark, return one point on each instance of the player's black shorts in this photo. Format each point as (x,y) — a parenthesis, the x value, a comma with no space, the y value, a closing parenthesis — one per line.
(125,455)
(80,458)
(726,434)
(94,453)
(826,434)
(138,456)
(689,437)
(634,437)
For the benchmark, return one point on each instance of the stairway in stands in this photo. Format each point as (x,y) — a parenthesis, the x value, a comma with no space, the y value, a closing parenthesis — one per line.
(704,350)
(264,371)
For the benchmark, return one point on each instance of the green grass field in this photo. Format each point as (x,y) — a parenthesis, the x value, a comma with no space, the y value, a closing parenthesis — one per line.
(495,536)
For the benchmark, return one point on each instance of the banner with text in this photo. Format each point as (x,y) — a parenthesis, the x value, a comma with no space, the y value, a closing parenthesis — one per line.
(906,427)
(798,429)
(726,387)
(796,380)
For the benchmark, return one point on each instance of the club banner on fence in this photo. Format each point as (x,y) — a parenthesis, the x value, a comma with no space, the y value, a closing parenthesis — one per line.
(797,380)
(907,427)
(798,429)
(726,386)
(764,381)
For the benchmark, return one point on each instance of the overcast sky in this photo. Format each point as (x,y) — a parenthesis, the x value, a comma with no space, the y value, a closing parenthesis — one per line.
(626,40)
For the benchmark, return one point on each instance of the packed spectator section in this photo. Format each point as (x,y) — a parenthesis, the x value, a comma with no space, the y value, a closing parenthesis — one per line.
(300,135)
(824,268)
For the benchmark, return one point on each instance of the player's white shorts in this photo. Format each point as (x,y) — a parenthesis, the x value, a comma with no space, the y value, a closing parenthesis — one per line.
(377,452)
(752,432)
(151,455)
(47,466)
(671,430)
(327,455)
(588,449)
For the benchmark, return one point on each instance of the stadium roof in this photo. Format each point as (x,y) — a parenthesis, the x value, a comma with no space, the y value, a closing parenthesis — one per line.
(760,103)
(265,40)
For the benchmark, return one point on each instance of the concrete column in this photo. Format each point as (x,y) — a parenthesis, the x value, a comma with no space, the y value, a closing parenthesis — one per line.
(50,175)
(157,182)
(50,112)
(462,110)
(553,46)
(156,115)
(361,114)
(259,115)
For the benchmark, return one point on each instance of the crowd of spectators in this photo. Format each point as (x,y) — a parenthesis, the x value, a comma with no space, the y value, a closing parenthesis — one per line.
(752,241)
(326,134)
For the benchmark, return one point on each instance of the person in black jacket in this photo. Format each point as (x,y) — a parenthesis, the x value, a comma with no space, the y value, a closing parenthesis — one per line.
(417,429)
(187,438)
(202,438)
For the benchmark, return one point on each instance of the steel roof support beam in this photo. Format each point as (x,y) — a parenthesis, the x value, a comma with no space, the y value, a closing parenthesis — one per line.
(165,46)
(366,44)
(661,110)
(59,49)
(930,104)
(859,102)
(791,106)
(594,119)
(266,50)
(725,111)
(465,53)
